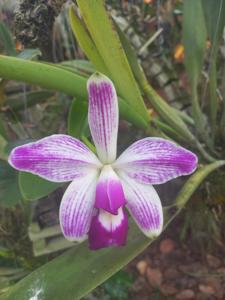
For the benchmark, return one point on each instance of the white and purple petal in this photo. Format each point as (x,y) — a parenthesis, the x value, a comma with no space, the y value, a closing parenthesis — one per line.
(144,205)
(77,207)
(103,116)
(57,158)
(155,161)
(108,230)
(109,191)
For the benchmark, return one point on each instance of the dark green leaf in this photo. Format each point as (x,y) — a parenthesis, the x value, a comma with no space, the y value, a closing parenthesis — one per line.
(33,187)
(194,38)
(9,189)
(7,40)
(214,12)
(77,119)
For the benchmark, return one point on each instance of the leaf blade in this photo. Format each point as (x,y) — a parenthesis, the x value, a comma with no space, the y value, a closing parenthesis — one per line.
(33,187)
(108,44)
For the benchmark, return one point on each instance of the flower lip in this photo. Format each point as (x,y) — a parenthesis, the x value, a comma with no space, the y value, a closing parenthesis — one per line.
(108,230)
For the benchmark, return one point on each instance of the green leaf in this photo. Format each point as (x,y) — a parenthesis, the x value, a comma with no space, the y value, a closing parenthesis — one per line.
(29,54)
(214,12)
(45,75)
(9,189)
(52,77)
(194,38)
(86,43)
(7,40)
(108,44)
(30,99)
(33,187)
(77,119)
(75,273)
(3,129)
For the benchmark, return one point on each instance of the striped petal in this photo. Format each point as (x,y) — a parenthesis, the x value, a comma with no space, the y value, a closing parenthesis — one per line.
(57,158)
(103,116)
(108,230)
(144,205)
(77,206)
(109,191)
(155,161)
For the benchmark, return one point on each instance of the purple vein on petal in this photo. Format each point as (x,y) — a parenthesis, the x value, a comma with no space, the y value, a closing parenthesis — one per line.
(77,207)
(103,116)
(155,161)
(144,205)
(56,158)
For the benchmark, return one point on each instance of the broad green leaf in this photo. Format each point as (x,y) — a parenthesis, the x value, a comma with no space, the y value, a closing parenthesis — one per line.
(52,77)
(9,189)
(6,40)
(45,75)
(75,273)
(77,119)
(33,187)
(29,54)
(194,38)
(108,44)
(214,12)
(29,99)
(86,43)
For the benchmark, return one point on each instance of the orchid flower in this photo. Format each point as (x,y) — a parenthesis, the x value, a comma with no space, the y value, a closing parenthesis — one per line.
(102,187)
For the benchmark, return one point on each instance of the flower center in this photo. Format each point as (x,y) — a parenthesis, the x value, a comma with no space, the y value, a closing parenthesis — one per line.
(109,191)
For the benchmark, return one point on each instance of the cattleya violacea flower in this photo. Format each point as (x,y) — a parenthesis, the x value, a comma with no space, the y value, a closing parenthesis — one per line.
(94,203)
